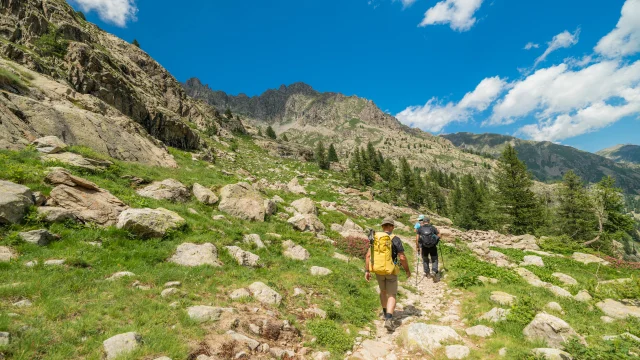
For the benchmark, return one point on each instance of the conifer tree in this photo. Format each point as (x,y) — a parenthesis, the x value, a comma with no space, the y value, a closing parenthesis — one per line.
(332,156)
(228,114)
(575,210)
(270,133)
(260,132)
(516,200)
(284,137)
(610,199)
(321,156)
(134,42)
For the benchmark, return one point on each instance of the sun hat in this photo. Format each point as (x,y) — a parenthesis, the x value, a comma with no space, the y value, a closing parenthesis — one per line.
(388,221)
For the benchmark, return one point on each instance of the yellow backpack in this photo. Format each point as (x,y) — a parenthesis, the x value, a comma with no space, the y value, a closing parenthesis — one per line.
(381,262)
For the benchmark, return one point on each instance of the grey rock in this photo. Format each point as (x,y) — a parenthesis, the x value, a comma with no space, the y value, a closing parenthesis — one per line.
(120,275)
(5,337)
(279,353)
(169,189)
(242,201)
(495,315)
(121,344)
(39,199)
(239,294)
(149,222)
(77,160)
(264,294)
(245,340)
(244,258)
(7,254)
(588,259)
(457,352)
(502,298)
(308,222)
(299,292)
(305,206)
(203,313)
(40,237)
(552,354)
(189,254)
(480,331)
(169,291)
(52,214)
(14,201)
(554,306)
(204,195)
(533,260)
(428,337)
(565,279)
(49,145)
(618,310)
(55,262)
(23,303)
(320,271)
(254,239)
(340,257)
(295,252)
(583,296)
(172,284)
(550,329)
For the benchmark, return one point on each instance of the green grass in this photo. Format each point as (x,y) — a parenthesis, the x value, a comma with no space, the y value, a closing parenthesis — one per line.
(10,79)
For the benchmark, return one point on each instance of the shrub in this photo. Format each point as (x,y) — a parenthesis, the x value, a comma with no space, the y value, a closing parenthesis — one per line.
(9,79)
(330,335)
(618,349)
(50,44)
(523,311)
(466,280)
(560,245)
(353,246)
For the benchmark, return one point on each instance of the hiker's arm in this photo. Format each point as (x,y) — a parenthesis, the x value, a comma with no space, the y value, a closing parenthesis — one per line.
(404,263)
(418,243)
(367,258)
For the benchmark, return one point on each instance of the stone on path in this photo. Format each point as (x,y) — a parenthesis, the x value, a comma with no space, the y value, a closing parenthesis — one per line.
(149,222)
(244,258)
(502,298)
(588,258)
(294,251)
(243,339)
(306,222)
(565,279)
(552,354)
(425,337)
(305,206)
(204,195)
(201,313)
(495,315)
(554,331)
(188,254)
(49,145)
(121,344)
(456,351)
(320,271)
(242,201)
(52,214)
(618,310)
(120,274)
(41,237)
(583,296)
(7,254)
(532,260)
(239,294)
(169,189)
(264,294)
(253,239)
(371,349)
(14,201)
(480,331)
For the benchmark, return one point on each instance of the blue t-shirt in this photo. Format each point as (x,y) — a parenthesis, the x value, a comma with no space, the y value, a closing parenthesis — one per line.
(417,226)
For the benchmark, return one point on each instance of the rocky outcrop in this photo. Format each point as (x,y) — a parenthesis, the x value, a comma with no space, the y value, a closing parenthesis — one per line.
(244,258)
(49,145)
(84,199)
(121,344)
(40,237)
(188,254)
(618,310)
(265,294)
(550,329)
(52,214)
(149,222)
(242,201)
(307,222)
(76,160)
(169,189)
(295,252)
(204,195)
(305,206)
(14,201)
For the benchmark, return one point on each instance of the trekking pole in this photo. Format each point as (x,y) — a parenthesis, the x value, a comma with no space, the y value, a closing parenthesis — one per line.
(444,268)
(417,266)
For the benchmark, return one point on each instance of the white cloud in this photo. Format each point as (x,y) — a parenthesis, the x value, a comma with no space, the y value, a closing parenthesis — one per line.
(117,12)
(531,45)
(625,38)
(406,3)
(563,40)
(458,13)
(434,116)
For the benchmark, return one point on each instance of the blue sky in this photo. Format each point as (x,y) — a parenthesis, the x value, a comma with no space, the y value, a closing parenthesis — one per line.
(444,66)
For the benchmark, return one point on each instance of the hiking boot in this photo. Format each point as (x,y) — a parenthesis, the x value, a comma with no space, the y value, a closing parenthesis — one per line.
(427,275)
(436,277)
(388,324)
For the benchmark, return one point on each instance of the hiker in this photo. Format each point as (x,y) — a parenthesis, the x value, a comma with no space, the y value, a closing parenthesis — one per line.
(427,244)
(385,251)
(419,223)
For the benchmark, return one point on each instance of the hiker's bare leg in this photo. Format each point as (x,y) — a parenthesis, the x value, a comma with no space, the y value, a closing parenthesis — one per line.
(383,299)
(391,304)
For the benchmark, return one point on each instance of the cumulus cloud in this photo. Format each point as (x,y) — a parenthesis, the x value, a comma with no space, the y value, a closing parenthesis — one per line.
(117,12)
(563,40)
(406,3)
(625,38)
(434,115)
(531,45)
(459,14)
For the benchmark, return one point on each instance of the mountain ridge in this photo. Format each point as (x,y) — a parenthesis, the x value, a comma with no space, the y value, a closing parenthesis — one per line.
(623,153)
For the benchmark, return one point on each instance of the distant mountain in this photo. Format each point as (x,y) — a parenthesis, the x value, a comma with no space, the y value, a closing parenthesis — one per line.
(622,153)
(549,162)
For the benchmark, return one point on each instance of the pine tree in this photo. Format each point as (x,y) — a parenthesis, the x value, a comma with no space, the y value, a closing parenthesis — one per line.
(284,137)
(228,114)
(575,211)
(516,200)
(321,156)
(135,43)
(332,156)
(270,133)
(260,132)
(612,201)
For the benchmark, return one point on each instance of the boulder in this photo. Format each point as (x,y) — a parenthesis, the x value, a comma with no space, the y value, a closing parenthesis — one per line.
(349,225)
(371,349)
(588,259)
(254,239)
(618,310)
(565,279)
(169,189)
(295,252)
(40,237)
(121,344)
(39,199)
(244,258)
(49,145)
(202,313)
(583,296)
(320,271)
(495,315)
(554,306)
(533,260)
(551,354)
(188,254)
(340,257)
(239,294)
(531,278)
(557,290)
(242,201)
(244,340)
(149,222)
(502,298)
(84,199)
(428,338)
(456,351)
(305,206)
(550,329)
(52,214)
(270,207)
(7,254)
(204,195)
(480,331)
(77,160)
(14,201)
(295,187)
(308,222)
(265,294)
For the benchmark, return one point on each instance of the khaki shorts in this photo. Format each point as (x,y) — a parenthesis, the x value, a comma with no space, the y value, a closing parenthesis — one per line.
(388,284)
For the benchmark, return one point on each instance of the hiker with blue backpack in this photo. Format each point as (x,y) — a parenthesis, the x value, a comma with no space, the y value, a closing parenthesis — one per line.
(427,240)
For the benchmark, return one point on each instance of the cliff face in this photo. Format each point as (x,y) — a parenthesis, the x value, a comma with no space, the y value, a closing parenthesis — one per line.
(51,39)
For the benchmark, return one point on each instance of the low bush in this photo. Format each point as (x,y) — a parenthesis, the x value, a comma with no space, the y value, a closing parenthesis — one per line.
(523,311)
(330,335)
(50,44)
(354,246)
(466,280)
(10,80)
(619,349)
(560,245)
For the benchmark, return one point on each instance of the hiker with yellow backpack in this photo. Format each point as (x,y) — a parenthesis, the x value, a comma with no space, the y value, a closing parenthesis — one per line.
(384,254)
